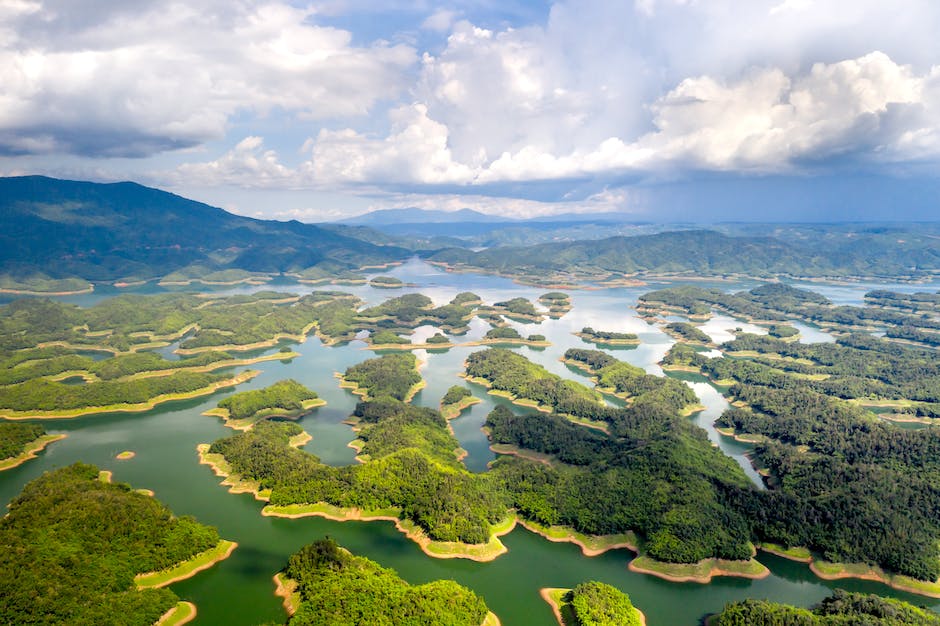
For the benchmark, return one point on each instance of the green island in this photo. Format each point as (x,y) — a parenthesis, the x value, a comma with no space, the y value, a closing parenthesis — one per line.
(842,607)
(507,335)
(20,442)
(558,303)
(632,384)
(49,522)
(607,338)
(44,399)
(456,401)
(391,375)
(387,282)
(592,604)
(688,333)
(285,398)
(519,309)
(326,584)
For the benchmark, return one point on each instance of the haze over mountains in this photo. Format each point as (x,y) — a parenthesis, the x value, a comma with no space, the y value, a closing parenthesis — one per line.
(62,229)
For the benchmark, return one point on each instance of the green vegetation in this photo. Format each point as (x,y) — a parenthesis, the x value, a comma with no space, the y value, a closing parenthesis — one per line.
(392,375)
(455,394)
(503,333)
(841,608)
(127,232)
(661,478)
(605,337)
(386,282)
(782,331)
(437,338)
(285,397)
(506,371)
(387,337)
(340,589)
(687,332)
(632,383)
(410,469)
(707,253)
(517,306)
(558,303)
(466,298)
(15,436)
(598,604)
(73,544)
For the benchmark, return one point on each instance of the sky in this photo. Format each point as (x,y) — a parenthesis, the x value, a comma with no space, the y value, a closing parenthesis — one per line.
(665,110)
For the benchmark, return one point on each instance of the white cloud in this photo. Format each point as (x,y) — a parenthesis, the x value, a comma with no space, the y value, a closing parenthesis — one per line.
(101,79)
(246,165)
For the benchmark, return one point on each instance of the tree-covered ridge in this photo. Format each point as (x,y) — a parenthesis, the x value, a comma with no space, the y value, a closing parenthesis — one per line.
(607,337)
(599,604)
(840,609)
(49,396)
(915,302)
(14,436)
(455,394)
(661,478)
(777,302)
(391,375)
(687,332)
(504,370)
(410,467)
(73,544)
(285,396)
(703,253)
(128,232)
(632,383)
(338,588)
(828,460)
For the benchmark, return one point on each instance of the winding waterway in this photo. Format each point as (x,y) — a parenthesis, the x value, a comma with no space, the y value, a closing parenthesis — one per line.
(240,591)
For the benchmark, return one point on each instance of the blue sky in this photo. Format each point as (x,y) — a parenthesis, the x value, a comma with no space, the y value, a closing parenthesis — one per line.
(673,110)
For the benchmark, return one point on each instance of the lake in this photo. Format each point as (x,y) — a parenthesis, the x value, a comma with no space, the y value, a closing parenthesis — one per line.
(240,591)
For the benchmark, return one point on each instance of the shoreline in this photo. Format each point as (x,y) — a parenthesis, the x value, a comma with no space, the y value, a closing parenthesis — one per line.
(30,292)
(183,613)
(697,572)
(453,411)
(286,589)
(188,568)
(553,595)
(131,408)
(247,423)
(30,451)
(482,552)
(507,342)
(599,341)
(826,570)
(591,545)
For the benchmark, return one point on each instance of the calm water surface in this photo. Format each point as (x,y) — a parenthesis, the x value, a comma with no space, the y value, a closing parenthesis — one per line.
(240,591)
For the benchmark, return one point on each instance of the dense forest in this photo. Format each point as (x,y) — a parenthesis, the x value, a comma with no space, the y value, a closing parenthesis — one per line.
(840,609)
(73,544)
(15,435)
(340,589)
(284,396)
(390,375)
(598,604)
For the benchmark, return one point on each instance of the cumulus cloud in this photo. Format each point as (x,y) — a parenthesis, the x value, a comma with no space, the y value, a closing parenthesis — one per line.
(132,79)
(245,165)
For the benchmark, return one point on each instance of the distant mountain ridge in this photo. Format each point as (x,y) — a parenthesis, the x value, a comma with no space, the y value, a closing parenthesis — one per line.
(106,232)
(383,217)
(710,253)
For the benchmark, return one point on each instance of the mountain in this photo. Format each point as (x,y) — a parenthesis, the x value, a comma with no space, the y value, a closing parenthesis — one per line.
(384,217)
(709,253)
(106,232)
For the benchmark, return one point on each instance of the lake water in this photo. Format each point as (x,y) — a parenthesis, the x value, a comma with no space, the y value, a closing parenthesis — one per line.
(240,591)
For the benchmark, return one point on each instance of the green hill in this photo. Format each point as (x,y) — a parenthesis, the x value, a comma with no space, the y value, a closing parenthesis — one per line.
(105,232)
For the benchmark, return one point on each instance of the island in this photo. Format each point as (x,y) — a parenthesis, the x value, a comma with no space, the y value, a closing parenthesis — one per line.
(20,442)
(386,282)
(284,399)
(456,401)
(594,603)
(392,375)
(607,338)
(506,335)
(326,584)
(558,303)
(842,607)
(60,514)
